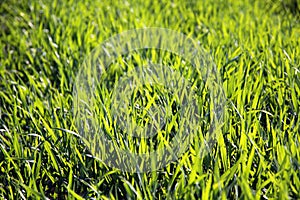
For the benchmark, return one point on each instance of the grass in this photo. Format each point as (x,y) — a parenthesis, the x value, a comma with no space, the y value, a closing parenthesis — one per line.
(255,46)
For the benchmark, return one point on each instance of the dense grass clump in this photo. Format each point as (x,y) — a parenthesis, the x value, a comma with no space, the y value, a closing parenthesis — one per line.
(255,46)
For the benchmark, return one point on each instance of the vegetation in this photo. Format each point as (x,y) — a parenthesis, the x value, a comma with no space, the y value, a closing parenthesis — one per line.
(255,46)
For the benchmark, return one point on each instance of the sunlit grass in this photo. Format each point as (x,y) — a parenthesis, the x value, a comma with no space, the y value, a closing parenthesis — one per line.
(255,46)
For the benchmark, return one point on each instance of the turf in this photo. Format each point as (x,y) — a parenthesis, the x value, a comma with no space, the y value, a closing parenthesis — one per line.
(255,46)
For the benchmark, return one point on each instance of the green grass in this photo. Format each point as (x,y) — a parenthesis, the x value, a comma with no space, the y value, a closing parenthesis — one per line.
(255,46)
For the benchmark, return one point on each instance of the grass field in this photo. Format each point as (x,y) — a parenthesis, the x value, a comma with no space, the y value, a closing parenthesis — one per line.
(255,46)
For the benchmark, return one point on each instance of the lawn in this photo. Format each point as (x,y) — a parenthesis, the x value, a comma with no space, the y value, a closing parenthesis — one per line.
(255,48)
